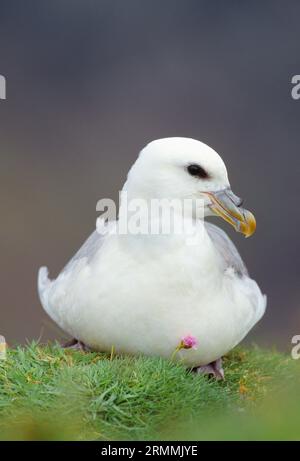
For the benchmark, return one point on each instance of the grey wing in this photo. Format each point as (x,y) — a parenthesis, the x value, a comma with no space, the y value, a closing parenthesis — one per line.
(227,250)
(52,292)
(88,250)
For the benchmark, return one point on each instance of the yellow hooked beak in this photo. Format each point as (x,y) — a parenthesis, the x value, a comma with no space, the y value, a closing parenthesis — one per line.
(228,206)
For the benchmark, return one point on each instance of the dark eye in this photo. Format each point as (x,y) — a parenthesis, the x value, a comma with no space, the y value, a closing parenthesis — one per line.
(197,170)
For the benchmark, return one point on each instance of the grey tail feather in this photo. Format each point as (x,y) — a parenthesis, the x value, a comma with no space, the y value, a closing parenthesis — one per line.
(43,283)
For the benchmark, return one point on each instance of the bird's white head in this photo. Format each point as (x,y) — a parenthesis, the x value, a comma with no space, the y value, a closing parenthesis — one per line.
(185,168)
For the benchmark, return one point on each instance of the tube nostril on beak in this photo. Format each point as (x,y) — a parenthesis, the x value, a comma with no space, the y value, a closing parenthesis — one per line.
(235,199)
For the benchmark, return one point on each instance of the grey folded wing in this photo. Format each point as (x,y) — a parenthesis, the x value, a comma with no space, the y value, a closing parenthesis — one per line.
(87,251)
(227,250)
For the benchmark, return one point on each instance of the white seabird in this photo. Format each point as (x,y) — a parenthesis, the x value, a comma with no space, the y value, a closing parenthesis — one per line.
(141,294)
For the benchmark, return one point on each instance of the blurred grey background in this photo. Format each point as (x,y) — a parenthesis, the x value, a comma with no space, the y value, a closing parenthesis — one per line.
(89,83)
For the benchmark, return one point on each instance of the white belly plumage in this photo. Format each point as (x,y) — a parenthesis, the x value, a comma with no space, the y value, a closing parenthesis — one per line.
(144,301)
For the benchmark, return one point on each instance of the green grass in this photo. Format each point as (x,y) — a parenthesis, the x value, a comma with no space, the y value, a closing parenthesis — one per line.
(47,393)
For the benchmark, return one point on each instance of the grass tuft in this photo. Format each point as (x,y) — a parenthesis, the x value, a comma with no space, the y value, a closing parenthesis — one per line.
(47,393)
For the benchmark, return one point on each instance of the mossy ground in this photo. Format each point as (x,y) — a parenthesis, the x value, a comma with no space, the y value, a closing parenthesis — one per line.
(47,393)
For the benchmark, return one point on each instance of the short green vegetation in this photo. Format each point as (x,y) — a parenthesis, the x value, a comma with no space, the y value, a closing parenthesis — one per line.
(47,393)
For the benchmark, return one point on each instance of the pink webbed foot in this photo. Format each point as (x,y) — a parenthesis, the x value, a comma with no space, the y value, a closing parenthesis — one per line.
(76,345)
(213,369)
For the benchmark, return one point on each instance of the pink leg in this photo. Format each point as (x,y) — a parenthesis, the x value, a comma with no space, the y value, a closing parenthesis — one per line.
(214,369)
(75,345)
